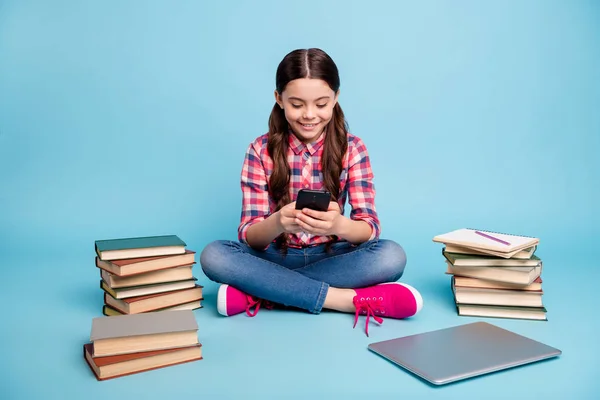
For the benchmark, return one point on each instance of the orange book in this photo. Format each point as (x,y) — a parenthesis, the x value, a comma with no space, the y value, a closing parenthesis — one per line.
(109,367)
(140,304)
(139,265)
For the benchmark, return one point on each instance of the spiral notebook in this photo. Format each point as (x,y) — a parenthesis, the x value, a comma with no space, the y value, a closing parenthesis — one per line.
(460,352)
(502,243)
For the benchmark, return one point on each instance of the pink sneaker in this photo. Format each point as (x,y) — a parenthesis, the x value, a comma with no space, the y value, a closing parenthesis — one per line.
(231,301)
(393,300)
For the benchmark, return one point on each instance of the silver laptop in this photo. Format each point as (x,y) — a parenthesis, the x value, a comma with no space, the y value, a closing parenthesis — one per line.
(452,354)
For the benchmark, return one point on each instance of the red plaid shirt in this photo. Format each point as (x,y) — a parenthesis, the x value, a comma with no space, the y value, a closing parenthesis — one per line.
(356,184)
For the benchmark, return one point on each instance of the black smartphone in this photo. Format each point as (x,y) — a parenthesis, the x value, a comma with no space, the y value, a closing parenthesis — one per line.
(313,199)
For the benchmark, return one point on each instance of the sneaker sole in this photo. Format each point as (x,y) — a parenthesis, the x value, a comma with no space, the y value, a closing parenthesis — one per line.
(415,293)
(222,300)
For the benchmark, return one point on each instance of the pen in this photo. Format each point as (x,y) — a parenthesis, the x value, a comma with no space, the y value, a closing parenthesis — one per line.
(492,238)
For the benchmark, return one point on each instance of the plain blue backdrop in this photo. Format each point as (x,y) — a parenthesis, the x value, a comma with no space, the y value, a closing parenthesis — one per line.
(131,118)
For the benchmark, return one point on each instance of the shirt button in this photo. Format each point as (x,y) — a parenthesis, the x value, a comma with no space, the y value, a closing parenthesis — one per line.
(306,186)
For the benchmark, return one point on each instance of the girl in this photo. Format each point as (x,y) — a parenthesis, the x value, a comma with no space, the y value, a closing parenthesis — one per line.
(305,258)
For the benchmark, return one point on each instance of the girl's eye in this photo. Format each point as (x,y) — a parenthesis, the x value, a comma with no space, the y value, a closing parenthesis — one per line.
(321,105)
(296,105)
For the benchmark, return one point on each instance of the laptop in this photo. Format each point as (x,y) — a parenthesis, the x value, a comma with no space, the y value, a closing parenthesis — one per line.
(465,351)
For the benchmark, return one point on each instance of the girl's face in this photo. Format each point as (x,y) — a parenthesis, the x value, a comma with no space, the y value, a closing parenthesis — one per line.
(308,106)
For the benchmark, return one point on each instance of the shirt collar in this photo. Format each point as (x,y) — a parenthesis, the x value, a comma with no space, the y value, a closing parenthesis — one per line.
(298,147)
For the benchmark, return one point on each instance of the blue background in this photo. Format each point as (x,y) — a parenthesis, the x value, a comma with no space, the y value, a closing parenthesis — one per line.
(131,118)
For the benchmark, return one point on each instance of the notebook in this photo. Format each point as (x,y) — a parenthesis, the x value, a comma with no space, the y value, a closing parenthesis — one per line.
(485,240)
(465,351)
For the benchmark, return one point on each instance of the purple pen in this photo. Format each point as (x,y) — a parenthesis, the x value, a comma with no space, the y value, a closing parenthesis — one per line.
(492,238)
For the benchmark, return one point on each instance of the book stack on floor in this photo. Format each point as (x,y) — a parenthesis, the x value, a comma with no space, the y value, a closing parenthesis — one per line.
(494,274)
(147,274)
(128,344)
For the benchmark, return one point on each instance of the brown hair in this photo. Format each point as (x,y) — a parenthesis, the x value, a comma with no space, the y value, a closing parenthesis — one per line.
(315,64)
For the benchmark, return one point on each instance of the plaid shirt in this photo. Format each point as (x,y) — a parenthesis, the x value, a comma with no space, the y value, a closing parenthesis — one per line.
(356,184)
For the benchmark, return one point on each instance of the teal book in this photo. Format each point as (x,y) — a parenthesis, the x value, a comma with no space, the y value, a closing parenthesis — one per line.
(148,246)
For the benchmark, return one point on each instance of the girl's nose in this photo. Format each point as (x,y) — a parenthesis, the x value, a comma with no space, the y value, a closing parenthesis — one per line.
(309,113)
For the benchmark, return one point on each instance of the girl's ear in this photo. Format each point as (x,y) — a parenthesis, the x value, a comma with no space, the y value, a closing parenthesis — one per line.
(278,99)
(335,100)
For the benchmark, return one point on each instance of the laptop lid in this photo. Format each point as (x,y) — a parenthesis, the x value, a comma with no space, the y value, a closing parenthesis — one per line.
(452,354)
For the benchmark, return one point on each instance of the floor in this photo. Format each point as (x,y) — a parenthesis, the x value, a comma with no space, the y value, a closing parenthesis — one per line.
(49,304)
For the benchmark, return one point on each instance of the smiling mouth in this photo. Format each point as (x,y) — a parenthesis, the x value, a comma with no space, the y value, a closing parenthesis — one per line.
(307,125)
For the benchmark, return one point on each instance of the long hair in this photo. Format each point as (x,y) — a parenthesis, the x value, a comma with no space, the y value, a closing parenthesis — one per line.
(315,64)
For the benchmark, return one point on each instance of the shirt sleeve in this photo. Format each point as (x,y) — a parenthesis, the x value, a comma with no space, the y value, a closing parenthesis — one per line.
(255,195)
(361,190)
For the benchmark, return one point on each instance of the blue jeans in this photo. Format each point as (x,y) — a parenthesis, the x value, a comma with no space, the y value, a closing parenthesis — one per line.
(302,278)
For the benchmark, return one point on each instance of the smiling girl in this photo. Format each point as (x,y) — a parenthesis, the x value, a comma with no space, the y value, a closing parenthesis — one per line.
(309,259)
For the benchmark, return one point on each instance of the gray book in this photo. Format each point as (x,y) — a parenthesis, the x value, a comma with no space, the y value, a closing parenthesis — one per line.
(120,326)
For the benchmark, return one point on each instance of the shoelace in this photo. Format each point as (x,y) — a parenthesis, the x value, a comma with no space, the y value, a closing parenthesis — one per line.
(256,303)
(370,306)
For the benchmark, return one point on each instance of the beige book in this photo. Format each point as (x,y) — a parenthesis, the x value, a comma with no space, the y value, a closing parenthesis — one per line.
(148,278)
(515,275)
(482,310)
(482,283)
(193,305)
(524,254)
(498,297)
(472,260)
(124,293)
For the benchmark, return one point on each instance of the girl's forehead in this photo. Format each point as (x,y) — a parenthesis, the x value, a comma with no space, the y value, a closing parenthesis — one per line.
(307,85)
(307,88)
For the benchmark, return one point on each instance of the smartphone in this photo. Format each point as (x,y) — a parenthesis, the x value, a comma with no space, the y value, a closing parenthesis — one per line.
(313,199)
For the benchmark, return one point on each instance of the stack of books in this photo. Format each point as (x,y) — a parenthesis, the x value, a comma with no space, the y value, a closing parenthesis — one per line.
(147,274)
(129,344)
(494,274)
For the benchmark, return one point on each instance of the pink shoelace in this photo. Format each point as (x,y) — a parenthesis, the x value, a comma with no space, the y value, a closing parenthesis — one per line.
(256,303)
(371,306)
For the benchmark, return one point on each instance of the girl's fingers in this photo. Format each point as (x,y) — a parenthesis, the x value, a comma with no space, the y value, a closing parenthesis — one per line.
(306,227)
(313,213)
(315,228)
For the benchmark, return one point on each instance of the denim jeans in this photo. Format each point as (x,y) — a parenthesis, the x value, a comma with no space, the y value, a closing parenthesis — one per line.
(302,278)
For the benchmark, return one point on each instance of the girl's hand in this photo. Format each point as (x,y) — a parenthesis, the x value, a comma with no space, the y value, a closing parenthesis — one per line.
(320,223)
(287,218)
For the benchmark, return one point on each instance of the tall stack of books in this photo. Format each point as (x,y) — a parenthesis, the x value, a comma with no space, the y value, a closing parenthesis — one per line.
(129,344)
(147,274)
(494,274)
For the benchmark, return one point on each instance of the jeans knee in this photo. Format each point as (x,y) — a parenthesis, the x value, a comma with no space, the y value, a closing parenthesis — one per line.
(392,259)
(212,259)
